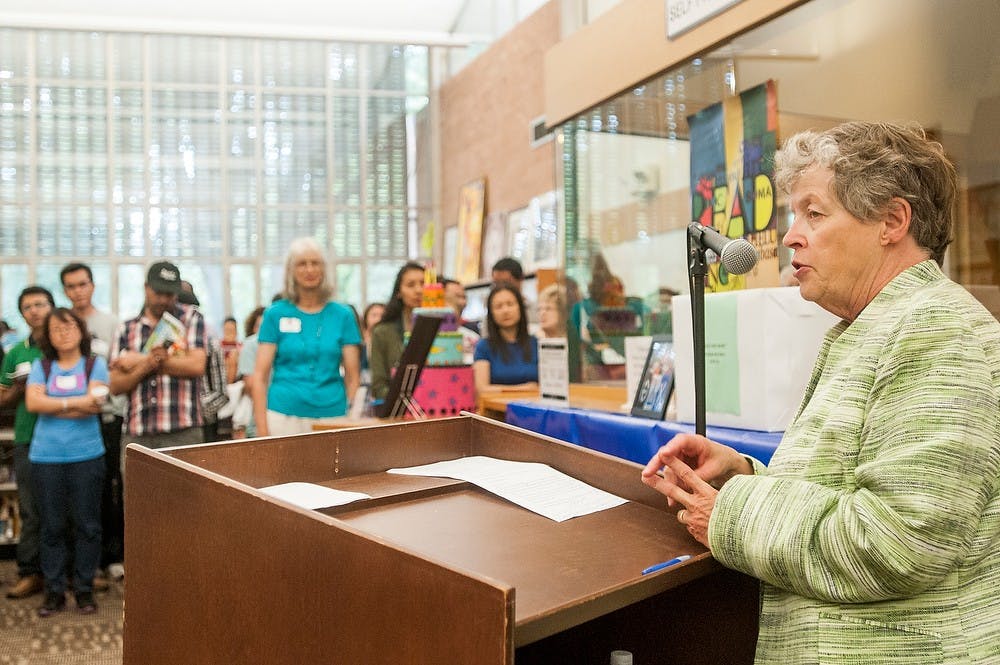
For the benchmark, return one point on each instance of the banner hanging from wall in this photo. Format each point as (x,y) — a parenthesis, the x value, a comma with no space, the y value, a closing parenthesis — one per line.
(732,180)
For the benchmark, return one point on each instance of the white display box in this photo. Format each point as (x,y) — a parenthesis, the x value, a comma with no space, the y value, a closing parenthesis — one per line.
(760,347)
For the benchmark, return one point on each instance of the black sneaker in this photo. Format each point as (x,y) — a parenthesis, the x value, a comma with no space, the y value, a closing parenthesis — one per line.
(54,602)
(85,603)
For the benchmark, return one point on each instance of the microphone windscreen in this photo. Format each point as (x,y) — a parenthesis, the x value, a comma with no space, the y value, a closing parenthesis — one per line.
(739,257)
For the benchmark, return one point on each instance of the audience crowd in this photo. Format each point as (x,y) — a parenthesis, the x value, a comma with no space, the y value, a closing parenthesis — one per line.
(81,383)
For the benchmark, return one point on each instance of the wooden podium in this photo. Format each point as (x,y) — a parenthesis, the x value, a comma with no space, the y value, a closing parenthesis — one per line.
(429,571)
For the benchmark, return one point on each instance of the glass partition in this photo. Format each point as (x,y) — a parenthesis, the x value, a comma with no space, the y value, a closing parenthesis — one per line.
(626,163)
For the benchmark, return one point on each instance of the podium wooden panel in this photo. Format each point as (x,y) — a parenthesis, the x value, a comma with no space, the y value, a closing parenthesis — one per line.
(428,571)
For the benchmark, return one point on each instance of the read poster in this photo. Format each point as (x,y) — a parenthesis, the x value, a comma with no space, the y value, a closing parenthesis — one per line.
(732,180)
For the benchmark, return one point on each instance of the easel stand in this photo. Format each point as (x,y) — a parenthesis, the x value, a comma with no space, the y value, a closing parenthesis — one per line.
(410,375)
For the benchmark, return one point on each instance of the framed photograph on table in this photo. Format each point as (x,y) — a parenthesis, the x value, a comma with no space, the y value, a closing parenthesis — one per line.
(657,380)
(471,206)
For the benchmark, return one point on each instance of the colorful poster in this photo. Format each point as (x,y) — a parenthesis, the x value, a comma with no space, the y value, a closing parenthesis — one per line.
(471,204)
(732,180)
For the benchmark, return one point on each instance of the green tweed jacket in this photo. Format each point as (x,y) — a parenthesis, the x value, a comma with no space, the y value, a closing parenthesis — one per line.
(876,527)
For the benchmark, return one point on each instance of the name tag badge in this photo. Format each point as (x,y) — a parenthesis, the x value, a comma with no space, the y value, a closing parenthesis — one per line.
(290,324)
(64,382)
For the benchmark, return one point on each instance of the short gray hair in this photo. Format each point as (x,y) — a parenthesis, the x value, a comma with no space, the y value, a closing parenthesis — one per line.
(299,248)
(556,294)
(873,162)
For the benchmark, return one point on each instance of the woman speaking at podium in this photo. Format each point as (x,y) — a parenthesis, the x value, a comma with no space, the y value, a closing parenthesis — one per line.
(876,527)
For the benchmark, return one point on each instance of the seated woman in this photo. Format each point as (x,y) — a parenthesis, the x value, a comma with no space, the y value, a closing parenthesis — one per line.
(397,319)
(552,311)
(508,357)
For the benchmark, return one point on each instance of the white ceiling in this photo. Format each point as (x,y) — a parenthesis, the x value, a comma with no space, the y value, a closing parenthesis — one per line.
(416,21)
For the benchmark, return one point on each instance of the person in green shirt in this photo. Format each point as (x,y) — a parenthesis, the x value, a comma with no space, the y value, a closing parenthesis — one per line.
(875,527)
(397,320)
(35,302)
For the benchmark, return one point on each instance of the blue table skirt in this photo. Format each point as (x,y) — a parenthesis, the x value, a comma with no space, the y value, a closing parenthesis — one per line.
(629,437)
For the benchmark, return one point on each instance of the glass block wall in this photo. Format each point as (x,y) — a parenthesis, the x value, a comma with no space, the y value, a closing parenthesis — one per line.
(118,149)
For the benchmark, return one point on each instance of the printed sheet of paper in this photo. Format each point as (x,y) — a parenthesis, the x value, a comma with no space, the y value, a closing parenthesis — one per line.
(553,370)
(537,487)
(308,495)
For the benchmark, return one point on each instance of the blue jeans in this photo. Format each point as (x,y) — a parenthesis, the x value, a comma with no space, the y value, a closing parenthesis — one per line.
(27,544)
(64,492)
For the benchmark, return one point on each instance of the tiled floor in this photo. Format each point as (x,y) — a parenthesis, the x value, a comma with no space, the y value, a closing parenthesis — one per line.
(66,638)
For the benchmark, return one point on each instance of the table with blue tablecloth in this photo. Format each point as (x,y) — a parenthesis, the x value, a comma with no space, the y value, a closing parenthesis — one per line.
(628,437)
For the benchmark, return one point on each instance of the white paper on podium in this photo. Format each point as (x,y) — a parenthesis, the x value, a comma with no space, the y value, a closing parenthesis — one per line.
(308,495)
(537,487)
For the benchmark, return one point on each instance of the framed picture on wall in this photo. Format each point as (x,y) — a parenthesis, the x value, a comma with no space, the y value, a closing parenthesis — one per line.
(545,236)
(519,240)
(494,242)
(450,245)
(657,380)
(471,206)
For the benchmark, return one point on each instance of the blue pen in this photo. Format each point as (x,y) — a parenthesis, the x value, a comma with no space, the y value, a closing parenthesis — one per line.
(666,564)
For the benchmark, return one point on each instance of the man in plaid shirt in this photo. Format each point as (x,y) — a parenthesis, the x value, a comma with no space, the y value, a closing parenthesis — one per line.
(163,383)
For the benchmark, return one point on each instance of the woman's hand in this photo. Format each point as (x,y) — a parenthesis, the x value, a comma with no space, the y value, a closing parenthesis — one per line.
(87,404)
(687,489)
(693,467)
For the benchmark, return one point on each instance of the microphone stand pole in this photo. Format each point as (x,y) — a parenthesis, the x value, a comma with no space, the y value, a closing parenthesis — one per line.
(697,271)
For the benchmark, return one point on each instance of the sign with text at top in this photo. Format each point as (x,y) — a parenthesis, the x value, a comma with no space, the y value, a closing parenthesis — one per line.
(682,15)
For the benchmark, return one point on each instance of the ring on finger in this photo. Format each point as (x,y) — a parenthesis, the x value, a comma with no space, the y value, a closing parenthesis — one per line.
(682,516)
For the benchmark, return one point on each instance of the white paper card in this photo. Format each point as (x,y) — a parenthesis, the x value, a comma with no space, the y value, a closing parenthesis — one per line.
(308,495)
(553,370)
(537,487)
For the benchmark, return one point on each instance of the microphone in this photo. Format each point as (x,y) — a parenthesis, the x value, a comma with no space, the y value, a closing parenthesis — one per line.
(736,254)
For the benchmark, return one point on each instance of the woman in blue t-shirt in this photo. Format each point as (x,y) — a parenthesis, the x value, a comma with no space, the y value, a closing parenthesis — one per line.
(67,389)
(306,340)
(508,357)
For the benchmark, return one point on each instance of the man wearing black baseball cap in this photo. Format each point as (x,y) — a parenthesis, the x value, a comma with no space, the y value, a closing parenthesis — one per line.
(162,380)
(164,277)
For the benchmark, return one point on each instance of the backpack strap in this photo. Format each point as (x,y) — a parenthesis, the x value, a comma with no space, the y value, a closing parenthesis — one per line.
(88,366)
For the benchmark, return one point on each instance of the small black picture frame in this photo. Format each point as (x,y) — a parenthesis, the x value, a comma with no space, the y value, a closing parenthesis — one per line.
(399,401)
(657,381)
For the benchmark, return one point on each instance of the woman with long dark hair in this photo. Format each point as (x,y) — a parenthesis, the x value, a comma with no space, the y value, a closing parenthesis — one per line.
(67,389)
(508,357)
(397,319)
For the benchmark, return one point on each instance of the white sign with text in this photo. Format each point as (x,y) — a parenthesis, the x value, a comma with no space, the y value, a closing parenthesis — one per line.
(553,370)
(682,15)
